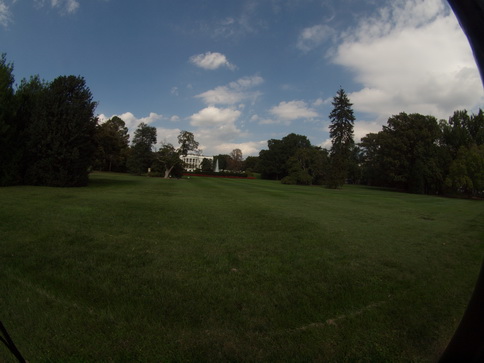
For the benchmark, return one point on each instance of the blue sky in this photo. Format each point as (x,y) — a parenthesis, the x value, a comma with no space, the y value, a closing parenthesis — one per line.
(239,72)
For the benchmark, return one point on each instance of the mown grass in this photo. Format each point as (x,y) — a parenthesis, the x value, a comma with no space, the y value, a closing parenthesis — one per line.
(205,269)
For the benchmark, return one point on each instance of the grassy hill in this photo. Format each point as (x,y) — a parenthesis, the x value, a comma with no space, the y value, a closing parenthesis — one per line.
(144,269)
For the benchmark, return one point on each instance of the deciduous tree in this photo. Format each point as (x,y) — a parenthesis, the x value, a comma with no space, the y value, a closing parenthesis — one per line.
(308,166)
(206,165)
(467,171)
(406,154)
(251,164)
(169,156)
(187,143)
(236,160)
(273,163)
(223,161)
(140,155)
(112,145)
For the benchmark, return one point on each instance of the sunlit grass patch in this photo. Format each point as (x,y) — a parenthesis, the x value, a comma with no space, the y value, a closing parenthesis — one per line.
(145,269)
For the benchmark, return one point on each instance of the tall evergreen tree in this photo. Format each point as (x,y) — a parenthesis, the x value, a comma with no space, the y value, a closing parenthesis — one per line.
(341,133)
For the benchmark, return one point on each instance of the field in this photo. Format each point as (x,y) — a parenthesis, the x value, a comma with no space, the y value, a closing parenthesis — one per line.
(206,269)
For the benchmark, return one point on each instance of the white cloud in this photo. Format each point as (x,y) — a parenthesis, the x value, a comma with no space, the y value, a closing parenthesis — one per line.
(248,148)
(412,56)
(167,136)
(174,91)
(214,117)
(362,128)
(292,110)
(5,14)
(65,6)
(216,127)
(71,6)
(234,27)
(270,121)
(314,36)
(322,101)
(211,141)
(221,95)
(233,93)
(132,121)
(211,61)
(326,144)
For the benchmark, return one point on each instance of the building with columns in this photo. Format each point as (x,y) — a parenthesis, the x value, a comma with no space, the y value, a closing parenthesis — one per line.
(193,161)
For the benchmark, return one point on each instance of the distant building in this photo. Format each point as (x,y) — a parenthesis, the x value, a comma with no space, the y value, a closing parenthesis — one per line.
(194,162)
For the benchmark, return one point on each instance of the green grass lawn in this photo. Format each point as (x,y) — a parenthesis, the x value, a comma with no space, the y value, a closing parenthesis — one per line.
(206,269)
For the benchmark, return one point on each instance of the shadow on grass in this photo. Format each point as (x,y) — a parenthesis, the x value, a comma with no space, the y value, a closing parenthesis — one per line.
(105,179)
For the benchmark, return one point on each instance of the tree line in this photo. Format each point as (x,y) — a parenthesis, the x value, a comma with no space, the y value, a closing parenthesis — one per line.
(413,152)
(294,160)
(419,154)
(47,130)
(141,156)
(50,136)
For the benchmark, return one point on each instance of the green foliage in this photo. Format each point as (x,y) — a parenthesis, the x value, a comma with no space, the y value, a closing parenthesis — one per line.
(46,130)
(341,133)
(112,140)
(467,171)
(300,177)
(187,143)
(251,163)
(9,148)
(140,156)
(374,172)
(223,161)
(405,154)
(62,136)
(462,130)
(167,159)
(206,165)
(273,163)
(455,133)
(415,153)
(308,166)
(30,97)
(355,169)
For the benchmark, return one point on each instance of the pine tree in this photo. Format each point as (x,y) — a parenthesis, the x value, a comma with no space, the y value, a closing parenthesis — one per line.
(341,133)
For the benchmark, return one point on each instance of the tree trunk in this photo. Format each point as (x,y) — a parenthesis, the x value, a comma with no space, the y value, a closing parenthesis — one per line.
(167,172)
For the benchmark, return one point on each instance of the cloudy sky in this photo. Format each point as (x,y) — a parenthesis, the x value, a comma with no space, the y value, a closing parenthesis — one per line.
(239,72)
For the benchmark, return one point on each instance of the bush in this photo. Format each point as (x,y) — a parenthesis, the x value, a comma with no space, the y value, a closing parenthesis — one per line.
(300,178)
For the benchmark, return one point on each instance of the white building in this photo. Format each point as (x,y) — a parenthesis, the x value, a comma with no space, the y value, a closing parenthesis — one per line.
(193,161)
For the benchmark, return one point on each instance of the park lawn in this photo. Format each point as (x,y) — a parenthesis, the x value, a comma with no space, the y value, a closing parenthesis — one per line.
(207,269)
